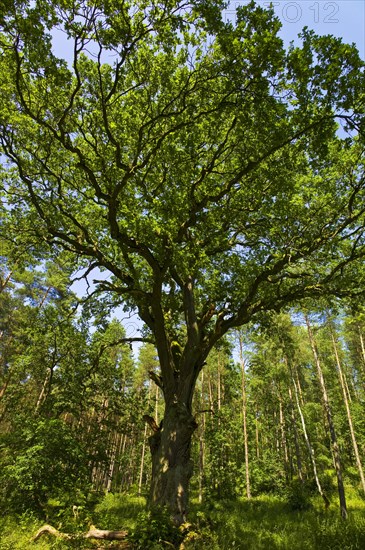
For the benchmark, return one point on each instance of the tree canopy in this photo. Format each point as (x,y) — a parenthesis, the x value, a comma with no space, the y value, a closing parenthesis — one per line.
(212,172)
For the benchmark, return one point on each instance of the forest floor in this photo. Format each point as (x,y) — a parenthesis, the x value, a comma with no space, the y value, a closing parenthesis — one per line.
(264,522)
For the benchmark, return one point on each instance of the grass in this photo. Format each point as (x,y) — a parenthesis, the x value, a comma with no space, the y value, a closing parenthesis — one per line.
(267,523)
(264,522)
(114,509)
(16,534)
(112,512)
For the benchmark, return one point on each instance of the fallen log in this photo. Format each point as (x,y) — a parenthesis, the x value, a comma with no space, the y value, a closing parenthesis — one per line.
(48,529)
(91,534)
(103,534)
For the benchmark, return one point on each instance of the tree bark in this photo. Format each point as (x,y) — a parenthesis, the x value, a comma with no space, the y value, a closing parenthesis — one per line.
(295,432)
(244,418)
(140,480)
(99,534)
(283,435)
(309,446)
(219,397)
(4,282)
(46,384)
(156,404)
(341,376)
(201,443)
(211,401)
(327,408)
(257,435)
(171,463)
(113,458)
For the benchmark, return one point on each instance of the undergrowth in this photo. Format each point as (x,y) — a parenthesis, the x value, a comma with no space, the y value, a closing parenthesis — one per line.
(265,522)
(268,522)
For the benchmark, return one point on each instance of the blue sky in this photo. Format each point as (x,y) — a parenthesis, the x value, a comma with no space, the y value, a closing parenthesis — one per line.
(342,18)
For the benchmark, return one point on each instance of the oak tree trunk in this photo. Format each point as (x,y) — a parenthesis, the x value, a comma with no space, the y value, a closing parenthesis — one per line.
(171,463)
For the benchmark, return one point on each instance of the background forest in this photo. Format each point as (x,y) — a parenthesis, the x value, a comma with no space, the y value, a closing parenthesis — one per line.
(280,406)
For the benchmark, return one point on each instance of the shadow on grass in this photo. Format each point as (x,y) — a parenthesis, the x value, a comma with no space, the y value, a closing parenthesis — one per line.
(267,523)
(118,511)
(262,523)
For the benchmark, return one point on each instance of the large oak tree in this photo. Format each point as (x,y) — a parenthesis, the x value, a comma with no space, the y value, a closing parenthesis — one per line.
(214,173)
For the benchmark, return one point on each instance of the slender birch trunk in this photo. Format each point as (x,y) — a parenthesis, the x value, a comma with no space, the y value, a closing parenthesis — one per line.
(335,447)
(113,445)
(201,442)
(121,451)
(219,404)
(244,418)
(4,282)
(283,436)
(156,404)
(44,297)
(348,390)
(43,393)
(211,401)
(299,387)
(113,461)
(257,433)
(308,444)
(348,412)
(296,438)
(140,480)
(277,433)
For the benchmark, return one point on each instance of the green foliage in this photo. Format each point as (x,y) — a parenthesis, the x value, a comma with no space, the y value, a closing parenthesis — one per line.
(222,463)
(266,522)
(201,536)
(298,495)
(256,524)
(186,151)
(267,475)
(199,166)
(155,530)
(17,532)
(42,460)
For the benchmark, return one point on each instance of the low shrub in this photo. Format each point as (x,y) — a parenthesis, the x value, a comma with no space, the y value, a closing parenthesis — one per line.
(298,496)
(155,530)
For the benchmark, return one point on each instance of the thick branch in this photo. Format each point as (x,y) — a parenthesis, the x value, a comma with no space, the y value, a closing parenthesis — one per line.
(162,343)
(151,422)
(244,171)
(156,379)
(190,314)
